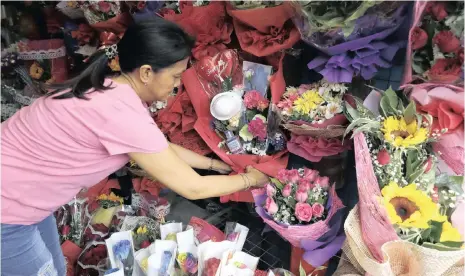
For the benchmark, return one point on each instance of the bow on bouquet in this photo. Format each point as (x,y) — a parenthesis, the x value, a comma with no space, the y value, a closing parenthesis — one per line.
(302,207)
(177,122)
(435,48)
(222,72)
(207,22)
(364,52)
(398,191)
(263,27)
(445,104)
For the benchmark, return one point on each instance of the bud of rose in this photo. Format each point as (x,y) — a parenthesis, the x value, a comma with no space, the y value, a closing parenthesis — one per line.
(309,174)
(287,190)
(270,190)
(144,244)
(318,210)
(301,195)
(65,230)
(282,176)
(323,181)
(419,38)
(447,41)
(428,164)
(383,157)
(271,206)
(304,184)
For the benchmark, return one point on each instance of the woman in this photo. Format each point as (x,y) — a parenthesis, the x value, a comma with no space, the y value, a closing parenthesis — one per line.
(87,129)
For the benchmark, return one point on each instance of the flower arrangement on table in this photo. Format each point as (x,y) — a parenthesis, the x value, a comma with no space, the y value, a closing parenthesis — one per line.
(303,208)
(436,42)
(398,191)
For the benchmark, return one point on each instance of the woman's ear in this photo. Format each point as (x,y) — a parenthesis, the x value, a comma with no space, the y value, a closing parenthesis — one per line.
(146,73)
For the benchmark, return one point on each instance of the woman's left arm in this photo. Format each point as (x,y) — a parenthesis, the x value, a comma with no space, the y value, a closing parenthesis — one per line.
(198,161)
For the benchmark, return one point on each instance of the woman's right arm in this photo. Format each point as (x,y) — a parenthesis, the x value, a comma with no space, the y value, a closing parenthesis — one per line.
(173,172)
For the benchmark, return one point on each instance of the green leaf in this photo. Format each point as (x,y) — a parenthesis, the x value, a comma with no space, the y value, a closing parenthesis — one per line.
(351,113)
(436,230)
(439,246)
(277,183)
(452,244)
(302,270)
(410,112)
(425,234)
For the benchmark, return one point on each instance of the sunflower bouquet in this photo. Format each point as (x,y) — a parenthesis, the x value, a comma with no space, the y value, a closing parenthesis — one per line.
(403,216)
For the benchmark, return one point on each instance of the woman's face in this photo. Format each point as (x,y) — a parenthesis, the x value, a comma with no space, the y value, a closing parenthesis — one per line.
(164,81)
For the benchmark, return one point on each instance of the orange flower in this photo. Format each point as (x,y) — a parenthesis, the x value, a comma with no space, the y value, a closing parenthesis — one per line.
(36,71)
(72,4)
(114,64)
(50,81)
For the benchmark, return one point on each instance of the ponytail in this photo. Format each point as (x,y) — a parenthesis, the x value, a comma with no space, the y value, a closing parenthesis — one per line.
(93,76)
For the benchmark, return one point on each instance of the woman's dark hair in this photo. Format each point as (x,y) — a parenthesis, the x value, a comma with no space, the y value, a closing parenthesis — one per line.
(156,42)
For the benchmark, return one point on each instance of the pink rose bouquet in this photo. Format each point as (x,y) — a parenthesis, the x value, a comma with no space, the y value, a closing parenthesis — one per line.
(303,207)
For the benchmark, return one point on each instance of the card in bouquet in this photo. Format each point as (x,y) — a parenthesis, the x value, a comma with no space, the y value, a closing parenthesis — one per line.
(255,76)
(162,261)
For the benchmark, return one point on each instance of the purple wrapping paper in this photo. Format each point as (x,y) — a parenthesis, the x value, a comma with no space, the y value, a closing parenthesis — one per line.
(149,10)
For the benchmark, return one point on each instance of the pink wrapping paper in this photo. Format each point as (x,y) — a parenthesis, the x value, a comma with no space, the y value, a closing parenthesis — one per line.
(315,148)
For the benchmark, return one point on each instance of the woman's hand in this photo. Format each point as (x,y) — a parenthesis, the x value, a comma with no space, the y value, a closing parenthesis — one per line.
(220,166)
(258,178)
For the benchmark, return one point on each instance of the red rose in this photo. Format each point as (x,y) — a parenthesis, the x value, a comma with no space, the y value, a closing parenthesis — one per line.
(303,211)
(437,9)
(419,38)
(66,230)
(445,70)
(446,41)
(140,5)
(104,6)
(145,244)
(383,157)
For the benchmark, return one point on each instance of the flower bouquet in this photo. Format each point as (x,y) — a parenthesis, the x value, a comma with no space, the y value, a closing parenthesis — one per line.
(237,263)
(302,207)
(121,251)
(207,22)
(236,233)
(445,104)
(163,260)
(263,27)
(222,72)
(168,231)
(435,49)
(187,257)
(92,259)
(72,220)
(408,230)
(210,254)
(363,54)
(204,231)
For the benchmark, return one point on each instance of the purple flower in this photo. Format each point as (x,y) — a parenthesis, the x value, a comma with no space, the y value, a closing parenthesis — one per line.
(165,261)
(191,263)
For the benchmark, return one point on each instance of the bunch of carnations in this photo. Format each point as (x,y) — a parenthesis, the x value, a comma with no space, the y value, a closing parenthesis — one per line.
(297,197)
(437,42)
(312,103)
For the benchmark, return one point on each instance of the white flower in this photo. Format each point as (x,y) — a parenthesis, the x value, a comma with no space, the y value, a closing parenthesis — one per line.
(248,73)
(332,109)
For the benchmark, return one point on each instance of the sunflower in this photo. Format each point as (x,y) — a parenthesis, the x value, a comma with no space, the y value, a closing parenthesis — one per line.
(307,102)
(400,134)
(407,206)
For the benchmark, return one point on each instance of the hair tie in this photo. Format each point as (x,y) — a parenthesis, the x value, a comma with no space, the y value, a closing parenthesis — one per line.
(111,51)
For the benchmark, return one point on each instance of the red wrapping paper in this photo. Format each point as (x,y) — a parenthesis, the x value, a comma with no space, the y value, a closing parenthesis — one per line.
(264,31)
(177,122)
(140,185)
(71,252)
(269,165)
(117,24)
(207,23)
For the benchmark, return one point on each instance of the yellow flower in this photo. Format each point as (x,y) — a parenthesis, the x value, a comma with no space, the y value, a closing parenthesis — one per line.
(142,230)
(408,206)
(450,233)
(307,102)
(102,197)
(115,198)
(182,257)
(144,264)
(114,64)
(36,71)
(71,4)
(400,134)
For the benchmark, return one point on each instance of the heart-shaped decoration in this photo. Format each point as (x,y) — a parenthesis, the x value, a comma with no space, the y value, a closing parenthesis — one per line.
(219,67)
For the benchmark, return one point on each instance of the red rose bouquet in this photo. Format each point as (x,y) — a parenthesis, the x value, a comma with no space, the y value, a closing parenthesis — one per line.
(302,207)
(263,27)
(72,220)
(435,50)
(207,22)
